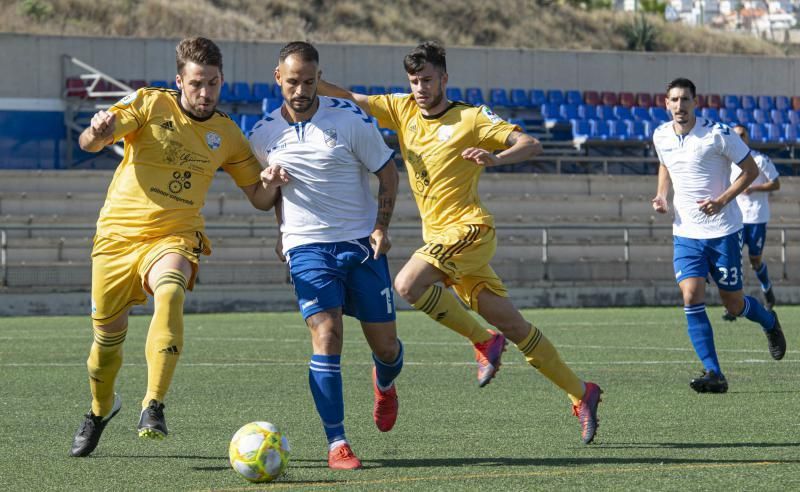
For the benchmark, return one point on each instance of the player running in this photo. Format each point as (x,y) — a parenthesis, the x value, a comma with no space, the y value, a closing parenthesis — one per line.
(696,155)
(150,232)
(446,145)
(320,152)
(754,203)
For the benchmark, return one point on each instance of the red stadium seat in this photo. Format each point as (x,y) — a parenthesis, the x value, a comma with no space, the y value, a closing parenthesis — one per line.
(75,87)
(796,103)
(659,100)
(626,99)
(701,101)
(609,98)
(591,97)
(713,101)
(137,83)
(644,99)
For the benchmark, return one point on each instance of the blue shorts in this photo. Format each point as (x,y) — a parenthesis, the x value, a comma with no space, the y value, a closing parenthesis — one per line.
(343,274)
(721,257)
(754,236)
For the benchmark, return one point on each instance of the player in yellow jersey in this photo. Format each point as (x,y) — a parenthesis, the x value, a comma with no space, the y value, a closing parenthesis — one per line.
(150,231)
(446,145)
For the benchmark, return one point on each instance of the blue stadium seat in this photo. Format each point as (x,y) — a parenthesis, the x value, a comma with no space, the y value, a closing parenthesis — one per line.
(782,103)
(605,112)
(580,129)
(225,94)
(650,127)
(241,93)
(748,102)
(520,99)
(376,90)
(745,116)
(766,102)
(774,133)
(790,133)
(598,129)
(399,89)
(555,96)
(474,96)
(358,89)
(640,114)
(573,97)
(730,101)
(759,116)
(247,121)
(622,113)
(159,83)
(551,113)
(587,111)
(637,130)
(454,94)
(237,118)
(498,98)
(568,111)
(537,97)
(617,130)
(793,117)
(777,116)
(659,114)
(757,133)
(261,90)
(519,122)
(727,116)
(270,104)
(276,91)
(710,113)
(173,85)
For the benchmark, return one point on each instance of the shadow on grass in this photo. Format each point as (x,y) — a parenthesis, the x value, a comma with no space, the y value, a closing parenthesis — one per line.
(699,445)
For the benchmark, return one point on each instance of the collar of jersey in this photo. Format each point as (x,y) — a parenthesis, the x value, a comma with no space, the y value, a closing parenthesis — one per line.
(439,115)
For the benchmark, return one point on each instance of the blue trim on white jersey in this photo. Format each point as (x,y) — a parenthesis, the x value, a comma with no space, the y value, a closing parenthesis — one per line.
(391,157)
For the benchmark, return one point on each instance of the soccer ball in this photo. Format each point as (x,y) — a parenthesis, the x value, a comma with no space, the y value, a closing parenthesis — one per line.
(259,452)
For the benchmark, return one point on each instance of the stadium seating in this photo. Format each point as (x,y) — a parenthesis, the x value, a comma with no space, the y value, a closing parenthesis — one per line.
(247,121)
(627,99)
(359,89)
(766,103)
(399,89)
(591,97)
(701,101)
(159,83)
(376,90)
(520,99)
(713,101)
(241,93)
(225,94)
(137,83)
(644,99)
(573,97)
(498,98)
(474,96)
(455,94)
(731,102)
(555,96)
(782,103)
(747,102)
(261,90)
(659,100)
(270,104)
(608,98)
(75,87)
(537,97)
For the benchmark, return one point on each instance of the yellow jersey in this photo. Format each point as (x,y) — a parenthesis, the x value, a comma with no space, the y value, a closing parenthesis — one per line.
(444,184)
(170,159)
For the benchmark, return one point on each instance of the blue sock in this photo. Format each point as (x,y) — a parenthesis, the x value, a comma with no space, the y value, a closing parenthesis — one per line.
(325,379)
(763,277)
(754,311)
(702,336)
(386,372)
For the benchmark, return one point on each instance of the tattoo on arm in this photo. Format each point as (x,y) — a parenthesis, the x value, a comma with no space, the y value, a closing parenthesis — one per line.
(512,139)
(385,208)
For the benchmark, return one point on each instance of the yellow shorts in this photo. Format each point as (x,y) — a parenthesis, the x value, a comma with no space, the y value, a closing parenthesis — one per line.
(120,268)
(463,253)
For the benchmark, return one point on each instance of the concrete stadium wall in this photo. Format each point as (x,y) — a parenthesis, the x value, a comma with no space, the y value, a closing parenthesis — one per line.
(33,68)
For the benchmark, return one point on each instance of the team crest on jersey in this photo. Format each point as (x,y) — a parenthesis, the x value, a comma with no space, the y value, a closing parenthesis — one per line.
(489,114)
(330,137)
(129,98)
(444,133)
(213,140)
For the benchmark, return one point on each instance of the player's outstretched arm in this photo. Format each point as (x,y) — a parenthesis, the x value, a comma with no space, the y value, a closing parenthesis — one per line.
(659,202)
(263,195)
(388,180)
(99,133)
(521,147)
(325,88)
(749,173)
(772,185)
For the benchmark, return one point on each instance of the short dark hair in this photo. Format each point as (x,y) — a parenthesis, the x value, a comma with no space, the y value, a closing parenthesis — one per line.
(682,83)
(428,52)
(304,50)
(198,50)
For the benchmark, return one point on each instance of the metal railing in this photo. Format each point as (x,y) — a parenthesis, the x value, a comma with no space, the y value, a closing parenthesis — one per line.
(252,228)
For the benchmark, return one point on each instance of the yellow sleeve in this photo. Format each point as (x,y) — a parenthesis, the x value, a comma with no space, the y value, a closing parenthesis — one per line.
(492,130)
(242,164)
(383,108)
(131,113)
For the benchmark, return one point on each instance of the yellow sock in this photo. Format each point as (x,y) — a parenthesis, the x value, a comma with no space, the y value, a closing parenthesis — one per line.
(443,307)
(105,359)
(165,336)
(541,354)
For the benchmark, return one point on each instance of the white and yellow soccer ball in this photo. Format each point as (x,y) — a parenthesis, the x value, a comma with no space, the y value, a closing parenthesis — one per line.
(259,452)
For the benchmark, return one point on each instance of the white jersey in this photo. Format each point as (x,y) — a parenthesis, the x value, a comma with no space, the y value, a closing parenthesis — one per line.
(699,165)
(755,206)
(329,159)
